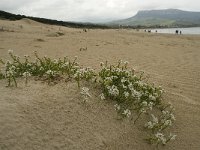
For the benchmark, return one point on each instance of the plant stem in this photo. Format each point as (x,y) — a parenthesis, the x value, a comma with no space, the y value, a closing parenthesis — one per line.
(15,81)
(137,117)
(26,81)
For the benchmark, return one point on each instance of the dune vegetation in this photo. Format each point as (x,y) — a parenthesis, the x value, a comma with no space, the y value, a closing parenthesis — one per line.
(134,97)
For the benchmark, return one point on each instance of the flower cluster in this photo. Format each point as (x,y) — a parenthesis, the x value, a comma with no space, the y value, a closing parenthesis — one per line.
(26,75)
(45,67)
(50,73)
(85,93)
(84,73)
(132,93)
(157,126)
(10,72)
(163,121)
(160,138)
(126,113)
(102,97)
(126,88)
(113,90)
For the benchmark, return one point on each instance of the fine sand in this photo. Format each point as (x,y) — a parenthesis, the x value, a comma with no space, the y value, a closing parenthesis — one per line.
(45,117)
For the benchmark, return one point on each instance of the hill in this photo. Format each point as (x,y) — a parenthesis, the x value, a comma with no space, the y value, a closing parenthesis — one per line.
(10,16)
(162,18)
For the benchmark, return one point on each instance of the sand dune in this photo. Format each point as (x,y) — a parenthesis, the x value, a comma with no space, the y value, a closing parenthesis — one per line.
(29,22)
(51,117)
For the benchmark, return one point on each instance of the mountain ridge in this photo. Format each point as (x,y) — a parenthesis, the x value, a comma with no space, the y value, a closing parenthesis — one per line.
(162,17)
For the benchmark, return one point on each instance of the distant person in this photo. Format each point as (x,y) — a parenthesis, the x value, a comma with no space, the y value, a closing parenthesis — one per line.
(149,31)
(176,31)
(156,31)
(180,32)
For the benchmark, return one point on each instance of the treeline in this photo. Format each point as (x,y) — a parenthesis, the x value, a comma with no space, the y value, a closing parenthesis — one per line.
(13,17)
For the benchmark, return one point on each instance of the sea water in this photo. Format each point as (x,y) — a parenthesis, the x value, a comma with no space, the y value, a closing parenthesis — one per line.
(193,30)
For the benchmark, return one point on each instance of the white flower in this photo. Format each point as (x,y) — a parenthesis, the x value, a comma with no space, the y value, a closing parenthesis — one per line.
(162,91)
(142,110)
(134,76)
(172,116)
(120,61)
(108,79)
(41,68)
(149,125)
(127,73)
(126,62)
(50,72)
(136,94)
(85,90)
(78,73)
(124,87)
(127,113)
(126,94)
(76,67)
(55,61)
(150,105)
(164,112)
(130,86)
(139,83)
(144,103)
(123,80)
(117,107)
(102,96)
(168,123)
(26,74)
(9,73)
(65,65)
(161,138)
(118,70)
(151,97)
(85,93)
(29,65)
(113,90)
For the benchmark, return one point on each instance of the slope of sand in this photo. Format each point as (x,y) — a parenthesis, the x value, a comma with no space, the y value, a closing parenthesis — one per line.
(52,117)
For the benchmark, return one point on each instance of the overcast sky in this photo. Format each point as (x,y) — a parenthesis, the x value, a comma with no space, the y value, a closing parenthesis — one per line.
(91,10)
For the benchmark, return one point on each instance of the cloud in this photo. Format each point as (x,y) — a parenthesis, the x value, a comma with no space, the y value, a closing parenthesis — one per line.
(10,5)
(91,10)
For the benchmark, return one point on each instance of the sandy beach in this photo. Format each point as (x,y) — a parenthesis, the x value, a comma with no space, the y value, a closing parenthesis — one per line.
(41,116)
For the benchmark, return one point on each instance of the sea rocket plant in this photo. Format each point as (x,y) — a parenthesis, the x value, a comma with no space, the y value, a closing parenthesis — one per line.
(132,96)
